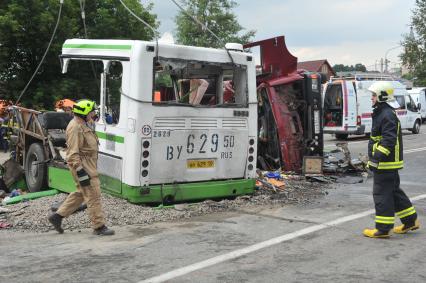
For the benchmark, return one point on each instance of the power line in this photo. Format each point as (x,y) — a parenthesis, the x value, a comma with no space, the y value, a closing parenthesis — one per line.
(83,17)
(61,2)
(204,27)
(146,24)
(142,21)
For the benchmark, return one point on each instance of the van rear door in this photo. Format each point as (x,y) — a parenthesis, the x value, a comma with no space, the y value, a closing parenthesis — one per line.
(333,105)
(340,107)
(402,110)
(349,107)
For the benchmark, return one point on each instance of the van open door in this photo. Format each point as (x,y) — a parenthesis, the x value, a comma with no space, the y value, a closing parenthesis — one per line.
(349,107)
(340,108)
(333,105)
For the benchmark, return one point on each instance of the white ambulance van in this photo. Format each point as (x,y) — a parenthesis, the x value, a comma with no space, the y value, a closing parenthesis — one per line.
(347,105)
(419,96)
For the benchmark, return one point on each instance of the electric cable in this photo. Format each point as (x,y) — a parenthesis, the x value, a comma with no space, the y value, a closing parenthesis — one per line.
(61,2)
(146,24)
(83,17)
(204,27)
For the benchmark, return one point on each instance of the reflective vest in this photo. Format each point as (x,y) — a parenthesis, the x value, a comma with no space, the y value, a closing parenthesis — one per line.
(385,145)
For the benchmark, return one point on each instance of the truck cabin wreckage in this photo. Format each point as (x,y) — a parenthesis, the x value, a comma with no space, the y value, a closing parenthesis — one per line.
(290,109)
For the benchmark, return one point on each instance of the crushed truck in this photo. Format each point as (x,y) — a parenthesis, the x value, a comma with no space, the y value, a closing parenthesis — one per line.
(290,109)
(166,132)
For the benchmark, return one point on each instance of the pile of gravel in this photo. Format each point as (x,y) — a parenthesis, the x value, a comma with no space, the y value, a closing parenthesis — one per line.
(32,215)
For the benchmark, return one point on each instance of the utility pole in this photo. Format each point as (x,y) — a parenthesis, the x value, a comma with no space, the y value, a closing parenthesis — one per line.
(386,65)
(381,65)
(386,57)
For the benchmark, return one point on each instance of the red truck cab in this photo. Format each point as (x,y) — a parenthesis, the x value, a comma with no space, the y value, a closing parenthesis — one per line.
(290,109)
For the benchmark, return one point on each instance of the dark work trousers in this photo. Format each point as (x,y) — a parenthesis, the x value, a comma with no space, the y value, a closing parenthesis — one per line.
(390,199)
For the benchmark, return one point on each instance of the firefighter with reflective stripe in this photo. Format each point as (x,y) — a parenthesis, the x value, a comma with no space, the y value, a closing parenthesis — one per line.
(385,159)
(82,156)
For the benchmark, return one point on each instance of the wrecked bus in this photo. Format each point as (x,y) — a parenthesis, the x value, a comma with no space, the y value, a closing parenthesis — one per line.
(290,109)
(166,132)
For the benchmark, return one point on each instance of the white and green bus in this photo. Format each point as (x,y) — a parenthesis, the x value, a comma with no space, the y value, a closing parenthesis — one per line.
(176,123)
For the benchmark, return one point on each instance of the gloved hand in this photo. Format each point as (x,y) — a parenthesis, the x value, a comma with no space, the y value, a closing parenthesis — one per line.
(83,177)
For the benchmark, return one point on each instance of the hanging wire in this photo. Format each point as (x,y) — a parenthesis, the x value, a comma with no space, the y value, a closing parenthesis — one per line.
(204,27)
(83,17)
(146,24)
(61,2)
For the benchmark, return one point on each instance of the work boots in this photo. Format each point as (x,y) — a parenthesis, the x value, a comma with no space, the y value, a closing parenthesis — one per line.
(56,221)
(103,231)
(404,228)
(374,233)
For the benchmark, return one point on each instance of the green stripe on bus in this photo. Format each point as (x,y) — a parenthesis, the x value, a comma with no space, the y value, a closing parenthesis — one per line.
(110,137)
(97,46)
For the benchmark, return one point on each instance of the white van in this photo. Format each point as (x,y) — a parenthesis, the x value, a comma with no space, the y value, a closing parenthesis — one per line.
(419,96)
(347,105)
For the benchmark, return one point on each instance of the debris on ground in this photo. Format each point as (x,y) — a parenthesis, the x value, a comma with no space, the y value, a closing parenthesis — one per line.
(10,173)
(5,225)
(286,189)
(339,160)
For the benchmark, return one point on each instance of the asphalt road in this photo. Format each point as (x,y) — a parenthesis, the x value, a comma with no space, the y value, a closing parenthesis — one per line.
(319,242)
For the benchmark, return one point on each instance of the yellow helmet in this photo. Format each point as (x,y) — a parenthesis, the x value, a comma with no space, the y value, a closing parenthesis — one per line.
(84,107)
(383,90)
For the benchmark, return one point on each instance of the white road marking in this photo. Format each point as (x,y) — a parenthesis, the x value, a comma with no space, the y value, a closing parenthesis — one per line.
(415,150)
(262,245)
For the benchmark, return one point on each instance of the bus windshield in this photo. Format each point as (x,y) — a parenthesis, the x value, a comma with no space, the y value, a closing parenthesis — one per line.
(194,83)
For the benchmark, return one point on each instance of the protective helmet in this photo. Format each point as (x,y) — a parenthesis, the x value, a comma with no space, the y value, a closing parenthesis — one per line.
(383,90)
(84,107)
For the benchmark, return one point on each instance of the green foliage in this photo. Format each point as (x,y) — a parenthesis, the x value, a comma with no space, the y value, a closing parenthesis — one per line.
(345,68)
(217,15)
(414,43)
(25,30)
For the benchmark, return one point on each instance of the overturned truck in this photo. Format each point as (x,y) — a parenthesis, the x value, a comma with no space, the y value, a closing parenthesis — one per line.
(290,109)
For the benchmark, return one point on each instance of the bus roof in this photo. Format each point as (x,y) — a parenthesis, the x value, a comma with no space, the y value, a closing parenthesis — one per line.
(125,49)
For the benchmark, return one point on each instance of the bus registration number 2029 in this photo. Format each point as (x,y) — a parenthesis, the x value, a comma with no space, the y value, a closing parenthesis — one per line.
(201,144)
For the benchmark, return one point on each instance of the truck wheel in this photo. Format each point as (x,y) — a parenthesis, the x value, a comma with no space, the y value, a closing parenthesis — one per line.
(35,168)
(416,127)
(341,136)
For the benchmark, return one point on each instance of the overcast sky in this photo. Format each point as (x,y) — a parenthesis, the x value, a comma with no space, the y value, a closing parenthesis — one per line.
(342,31)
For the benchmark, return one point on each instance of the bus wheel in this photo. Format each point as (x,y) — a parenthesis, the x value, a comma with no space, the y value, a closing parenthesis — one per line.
(416,127)
(35,168)
(341,136)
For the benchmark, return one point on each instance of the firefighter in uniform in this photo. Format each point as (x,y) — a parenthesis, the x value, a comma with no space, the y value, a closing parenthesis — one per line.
(82,155)
(385,159)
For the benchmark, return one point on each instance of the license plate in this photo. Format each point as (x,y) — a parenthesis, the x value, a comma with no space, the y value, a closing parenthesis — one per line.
(200,163)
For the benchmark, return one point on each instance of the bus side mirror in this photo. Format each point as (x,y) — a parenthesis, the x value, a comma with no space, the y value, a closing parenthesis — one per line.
(65,62)
(419,106)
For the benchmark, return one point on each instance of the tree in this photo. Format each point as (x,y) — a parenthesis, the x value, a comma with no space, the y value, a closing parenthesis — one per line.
(414,43)
(360,68)
(217,15)
(25,30)
(344,68)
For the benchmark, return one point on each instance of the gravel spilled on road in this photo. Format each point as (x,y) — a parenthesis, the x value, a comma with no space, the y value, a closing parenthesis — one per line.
(32,215)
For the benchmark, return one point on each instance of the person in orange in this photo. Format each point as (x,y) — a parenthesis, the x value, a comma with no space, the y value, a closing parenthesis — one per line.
(82,155)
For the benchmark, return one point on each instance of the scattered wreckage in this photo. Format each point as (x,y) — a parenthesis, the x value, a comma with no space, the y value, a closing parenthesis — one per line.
(289,137)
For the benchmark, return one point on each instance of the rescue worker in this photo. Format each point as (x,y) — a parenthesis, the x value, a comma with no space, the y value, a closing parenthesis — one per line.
(385,159)
(82,155)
